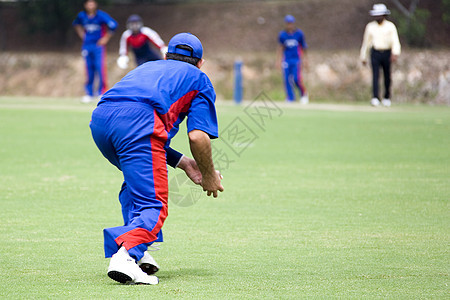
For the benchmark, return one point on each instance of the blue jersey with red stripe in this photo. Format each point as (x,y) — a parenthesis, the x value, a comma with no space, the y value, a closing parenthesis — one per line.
(293,43)
(95,27)
(174,89)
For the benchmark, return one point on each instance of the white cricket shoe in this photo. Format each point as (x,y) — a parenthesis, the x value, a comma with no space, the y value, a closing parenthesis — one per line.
(148,264)
(87,99)
(123,268)
(386,102)
(304,99)
(375,102)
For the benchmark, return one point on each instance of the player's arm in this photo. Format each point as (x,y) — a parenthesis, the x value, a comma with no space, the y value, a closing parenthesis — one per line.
(80,31)
(155,39)
(123,60)
(364,52)
(280,50)
(190,167)
(279,58)
(305,59)
(123,47)
(200,145)
(78,26)
(396,47)
(176,159)
(105,39)
(111,24)
(303,50)
(153,36)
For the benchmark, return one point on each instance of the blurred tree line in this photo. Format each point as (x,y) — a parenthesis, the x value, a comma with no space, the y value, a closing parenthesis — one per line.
(55,16)
(412,20)
(51,16)
(446,12)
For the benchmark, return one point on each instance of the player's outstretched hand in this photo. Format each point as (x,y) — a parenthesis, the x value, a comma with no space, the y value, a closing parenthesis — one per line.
(189,166)
(102,42)
(212,184)
(122,61)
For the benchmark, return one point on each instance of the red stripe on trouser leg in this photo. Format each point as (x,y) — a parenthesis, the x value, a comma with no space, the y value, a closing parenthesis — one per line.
(300,84)
(139,236)
(158,141)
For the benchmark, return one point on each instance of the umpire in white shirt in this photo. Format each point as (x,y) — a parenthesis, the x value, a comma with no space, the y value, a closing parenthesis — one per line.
(381,40)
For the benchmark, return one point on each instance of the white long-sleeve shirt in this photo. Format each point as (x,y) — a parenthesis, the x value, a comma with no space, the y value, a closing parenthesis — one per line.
(139,39)
(382,36)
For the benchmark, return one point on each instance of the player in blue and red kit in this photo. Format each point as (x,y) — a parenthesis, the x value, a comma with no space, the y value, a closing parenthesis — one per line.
(290,58)
(95,28)
(132,126)
(146,44)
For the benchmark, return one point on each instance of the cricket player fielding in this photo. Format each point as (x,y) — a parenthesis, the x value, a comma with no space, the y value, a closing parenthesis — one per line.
(291,55)
(132,126)
(142,40)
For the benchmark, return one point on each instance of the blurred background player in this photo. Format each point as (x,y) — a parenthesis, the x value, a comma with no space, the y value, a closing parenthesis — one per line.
(145,43)
(95,28)
(381,40)
(290,56)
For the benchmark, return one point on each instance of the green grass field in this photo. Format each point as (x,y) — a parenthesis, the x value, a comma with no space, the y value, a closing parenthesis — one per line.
(319,202)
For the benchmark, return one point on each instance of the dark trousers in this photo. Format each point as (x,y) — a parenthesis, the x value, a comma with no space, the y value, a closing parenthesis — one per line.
(381,59)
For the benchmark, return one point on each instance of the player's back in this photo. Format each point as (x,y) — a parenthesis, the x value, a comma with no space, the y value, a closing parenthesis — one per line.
(174,89)
(160,84)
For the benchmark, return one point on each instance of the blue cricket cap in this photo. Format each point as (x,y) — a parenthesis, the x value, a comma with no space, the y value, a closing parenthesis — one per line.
(289,19)
(186,39)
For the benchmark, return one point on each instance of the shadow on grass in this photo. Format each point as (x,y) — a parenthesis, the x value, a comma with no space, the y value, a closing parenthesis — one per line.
(163,275)
(186,272)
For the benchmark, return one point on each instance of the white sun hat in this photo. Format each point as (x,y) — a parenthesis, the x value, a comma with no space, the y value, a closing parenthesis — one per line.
(379,10)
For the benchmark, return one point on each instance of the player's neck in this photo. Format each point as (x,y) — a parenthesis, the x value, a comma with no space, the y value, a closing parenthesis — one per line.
(91,13)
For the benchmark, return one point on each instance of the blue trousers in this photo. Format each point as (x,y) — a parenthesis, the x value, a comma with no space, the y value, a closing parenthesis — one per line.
(292,77)
(95,58)
(132,137)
